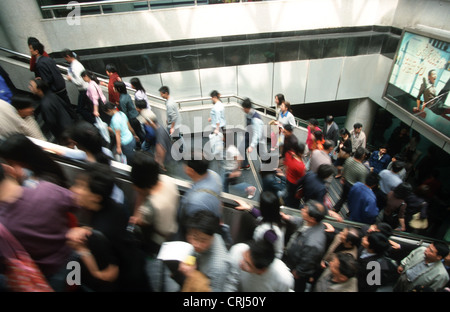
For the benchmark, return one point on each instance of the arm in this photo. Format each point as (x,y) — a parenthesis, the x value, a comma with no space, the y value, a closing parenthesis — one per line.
(118,143)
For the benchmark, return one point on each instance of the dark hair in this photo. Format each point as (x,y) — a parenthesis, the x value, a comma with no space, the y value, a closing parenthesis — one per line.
(197,162)
(280,97)
(144,171)
(348,266)
(36,45)
(70,53)
(313,121)
(329,119)
(90,75)
(403,190)
(18,148)
(361,153)
(214,93)
(246,103)
(325,171)
(136,83)
(318,135)
(372,179)
(262,253)
(205,221)
(357,125)
(288,106)
(31,40)
(316,210)
(20,101)
(299,148)
(88,138)
(108,106)
(354,236)
(42,85)
(288,128)
(269,205)
(442,249)
(120,87)
(328,144)
(164,89)
(344,131)
(142,104)
(384,228)
(378,242)
(100,179)
(397,166)
(111,68)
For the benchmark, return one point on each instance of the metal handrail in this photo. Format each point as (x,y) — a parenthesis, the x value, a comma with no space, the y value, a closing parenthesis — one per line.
(265,109)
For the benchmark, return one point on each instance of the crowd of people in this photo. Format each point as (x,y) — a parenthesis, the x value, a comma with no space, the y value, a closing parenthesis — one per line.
(116,240)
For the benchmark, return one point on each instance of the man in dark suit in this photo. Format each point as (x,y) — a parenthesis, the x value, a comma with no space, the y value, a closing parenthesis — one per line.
(331,129)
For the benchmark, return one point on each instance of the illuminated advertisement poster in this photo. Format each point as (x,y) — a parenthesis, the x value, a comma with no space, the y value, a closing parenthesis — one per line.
(419,81)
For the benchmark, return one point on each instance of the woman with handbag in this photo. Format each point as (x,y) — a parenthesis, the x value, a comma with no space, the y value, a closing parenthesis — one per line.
(95,95)
(343,150)
(295,169)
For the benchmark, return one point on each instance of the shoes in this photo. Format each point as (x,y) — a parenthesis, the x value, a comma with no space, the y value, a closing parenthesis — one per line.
(245,167)
(251,190)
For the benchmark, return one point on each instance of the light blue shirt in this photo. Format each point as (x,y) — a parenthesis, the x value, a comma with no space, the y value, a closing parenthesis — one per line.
(218,115)
(120,122)
(388,180)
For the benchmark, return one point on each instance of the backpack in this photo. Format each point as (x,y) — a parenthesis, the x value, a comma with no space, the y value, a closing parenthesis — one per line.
(22,273)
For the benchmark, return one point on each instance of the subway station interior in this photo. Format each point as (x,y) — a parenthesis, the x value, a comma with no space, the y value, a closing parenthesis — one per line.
(328,57)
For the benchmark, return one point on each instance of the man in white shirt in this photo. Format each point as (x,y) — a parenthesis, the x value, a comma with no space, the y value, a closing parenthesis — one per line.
(173,118)
(254,268)
(358,137)
(217,117)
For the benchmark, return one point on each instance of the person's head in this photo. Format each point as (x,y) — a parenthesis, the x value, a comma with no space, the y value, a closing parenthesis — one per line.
(109,108)
(436,251)
(328,145)
(318,135)
(258,257)
(87,76)
(196,166)
(313,123)
(23,104)
(376,242)
(344,133)
(286,107)
(382,227)
(200,229)
(279,98)
(144,171)
(246,105)
(31,40)
(164,92)
(36,48)
(329,119)
(397,166)
(215,96)
(93,186)
(299,148)
(87,138)
(403,190)
(22,154)
(357,127)
(269,205)
(313,212)
(110,69)
(140,105)
(382,149)
(361,153)
(288,129)
(432,75)
(120,87)
(69,55)
(350,237)
(343,267)
(372,180)
(325,171)
(136,84)
(38,87)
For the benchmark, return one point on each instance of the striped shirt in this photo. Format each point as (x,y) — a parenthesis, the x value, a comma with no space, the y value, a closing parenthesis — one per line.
(354,171)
